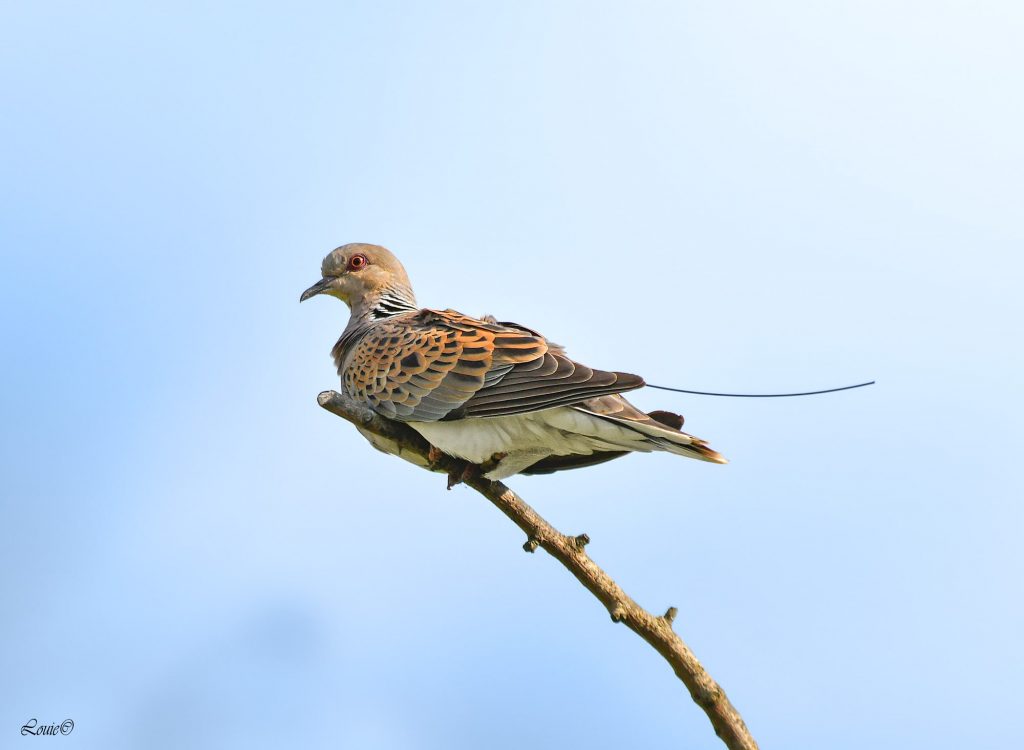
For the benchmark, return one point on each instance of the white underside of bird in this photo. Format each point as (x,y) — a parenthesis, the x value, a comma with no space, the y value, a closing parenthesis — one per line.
(521,440)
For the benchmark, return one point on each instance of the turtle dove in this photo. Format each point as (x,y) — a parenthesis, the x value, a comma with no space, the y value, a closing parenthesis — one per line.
(494,394)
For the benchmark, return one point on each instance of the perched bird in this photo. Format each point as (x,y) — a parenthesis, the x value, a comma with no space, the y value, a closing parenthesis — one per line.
(494,394)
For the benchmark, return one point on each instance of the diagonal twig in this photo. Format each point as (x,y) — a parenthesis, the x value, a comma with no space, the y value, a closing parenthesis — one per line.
(569,550)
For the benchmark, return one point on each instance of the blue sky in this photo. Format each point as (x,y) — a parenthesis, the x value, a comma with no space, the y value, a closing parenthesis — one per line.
(721,196)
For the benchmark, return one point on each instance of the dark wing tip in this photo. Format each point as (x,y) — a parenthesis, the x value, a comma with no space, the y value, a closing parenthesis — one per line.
(667,418)
(628,381)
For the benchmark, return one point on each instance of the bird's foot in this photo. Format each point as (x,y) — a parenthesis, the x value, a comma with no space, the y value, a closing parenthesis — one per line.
(467,472)
(435,462)
(471,470)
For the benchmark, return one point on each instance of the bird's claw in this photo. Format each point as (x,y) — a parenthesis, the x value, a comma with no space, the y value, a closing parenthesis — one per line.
(468,471)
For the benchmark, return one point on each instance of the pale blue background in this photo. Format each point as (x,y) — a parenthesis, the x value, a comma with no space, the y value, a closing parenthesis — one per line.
(735,196)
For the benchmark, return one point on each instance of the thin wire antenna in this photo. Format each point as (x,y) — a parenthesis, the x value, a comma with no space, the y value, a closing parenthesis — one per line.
(761,395)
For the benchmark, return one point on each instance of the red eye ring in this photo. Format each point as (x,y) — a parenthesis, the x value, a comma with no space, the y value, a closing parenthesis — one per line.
(357,263)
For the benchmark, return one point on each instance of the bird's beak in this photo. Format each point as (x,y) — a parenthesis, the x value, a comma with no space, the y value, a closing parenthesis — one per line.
(318,288)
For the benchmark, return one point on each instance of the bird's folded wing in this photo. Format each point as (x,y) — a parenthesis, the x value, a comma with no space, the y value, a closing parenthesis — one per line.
(434,365)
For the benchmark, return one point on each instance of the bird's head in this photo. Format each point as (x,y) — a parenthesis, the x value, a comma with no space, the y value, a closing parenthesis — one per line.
(358,273)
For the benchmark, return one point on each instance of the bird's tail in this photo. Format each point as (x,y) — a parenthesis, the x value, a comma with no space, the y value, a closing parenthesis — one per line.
(661,428)
(695,448)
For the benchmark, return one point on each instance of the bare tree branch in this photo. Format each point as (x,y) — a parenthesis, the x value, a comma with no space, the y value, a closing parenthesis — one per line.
(569,551)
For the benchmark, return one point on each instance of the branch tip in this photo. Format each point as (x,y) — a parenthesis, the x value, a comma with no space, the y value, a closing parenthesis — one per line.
(670,615)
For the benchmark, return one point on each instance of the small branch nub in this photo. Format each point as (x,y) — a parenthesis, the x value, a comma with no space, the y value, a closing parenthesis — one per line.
(670,615)
(531,544)
(581,541)
(618,613)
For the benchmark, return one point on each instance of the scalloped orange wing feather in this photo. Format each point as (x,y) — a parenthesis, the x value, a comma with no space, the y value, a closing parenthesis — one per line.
(433,365)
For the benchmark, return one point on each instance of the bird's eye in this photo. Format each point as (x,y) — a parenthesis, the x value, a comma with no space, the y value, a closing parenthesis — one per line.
(357,263)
